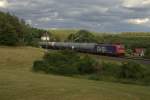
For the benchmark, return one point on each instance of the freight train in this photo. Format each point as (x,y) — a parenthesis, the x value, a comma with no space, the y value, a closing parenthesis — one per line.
(95,48)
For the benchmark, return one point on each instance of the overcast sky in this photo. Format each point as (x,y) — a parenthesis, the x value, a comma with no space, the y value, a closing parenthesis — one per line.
(95,15)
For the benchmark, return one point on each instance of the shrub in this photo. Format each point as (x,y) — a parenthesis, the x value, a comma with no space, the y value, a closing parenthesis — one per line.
(71,63)
(61,58)
(95,77)
(147,54)
(65,63)
(64,70)
(87,65)
(110,69)
(40,66)
(128,72)
(146,78)
(132,70)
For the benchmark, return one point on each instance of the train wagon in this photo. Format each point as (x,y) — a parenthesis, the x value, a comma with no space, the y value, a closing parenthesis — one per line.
(103,49)
(111,49)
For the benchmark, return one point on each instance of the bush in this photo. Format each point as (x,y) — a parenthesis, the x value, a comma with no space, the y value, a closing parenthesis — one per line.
(61,58)
(147,54)
(128,72)
(95,77)
(65,63)
(39,66)
(87,65)
(132,70)
(64,70)
(71,63)
(110,69)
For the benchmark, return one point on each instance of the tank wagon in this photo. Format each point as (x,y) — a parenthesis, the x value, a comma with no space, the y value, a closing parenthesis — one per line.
(95,48)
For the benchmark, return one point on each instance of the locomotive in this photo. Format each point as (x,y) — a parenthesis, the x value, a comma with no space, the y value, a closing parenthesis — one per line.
(94,48)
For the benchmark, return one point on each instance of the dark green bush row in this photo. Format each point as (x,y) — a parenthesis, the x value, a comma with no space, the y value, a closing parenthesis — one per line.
(65,63)
(71,63)
(128,72)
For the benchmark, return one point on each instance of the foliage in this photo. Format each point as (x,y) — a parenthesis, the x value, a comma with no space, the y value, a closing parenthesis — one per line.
(65,63)
(82,36)
(61,35)
(8,33)
(147,54)
(87,65)
(37,66)
(146,78)
(132,70)
(127,72)
(71,63)
(110,69)
(14,31)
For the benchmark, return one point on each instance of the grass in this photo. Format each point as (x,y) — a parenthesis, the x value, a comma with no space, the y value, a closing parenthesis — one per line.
(18,82)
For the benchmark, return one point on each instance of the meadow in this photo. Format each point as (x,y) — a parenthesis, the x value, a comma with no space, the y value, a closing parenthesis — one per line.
(19,82)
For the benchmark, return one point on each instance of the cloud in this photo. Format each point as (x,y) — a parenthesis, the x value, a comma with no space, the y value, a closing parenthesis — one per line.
(138,21)
(3,3)
(96,15)
(44,19)
(60,19)
(97,8)
(136,3)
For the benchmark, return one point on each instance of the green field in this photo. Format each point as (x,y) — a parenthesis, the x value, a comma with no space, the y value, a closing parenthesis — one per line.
(18,82)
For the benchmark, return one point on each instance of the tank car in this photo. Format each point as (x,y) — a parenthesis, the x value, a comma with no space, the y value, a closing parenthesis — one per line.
(103,49)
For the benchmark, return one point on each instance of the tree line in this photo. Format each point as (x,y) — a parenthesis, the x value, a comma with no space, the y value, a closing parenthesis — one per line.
(15,31)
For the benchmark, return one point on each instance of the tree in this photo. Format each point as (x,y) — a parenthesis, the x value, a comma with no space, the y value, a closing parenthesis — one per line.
(82,36)
(8,34)
(14,31)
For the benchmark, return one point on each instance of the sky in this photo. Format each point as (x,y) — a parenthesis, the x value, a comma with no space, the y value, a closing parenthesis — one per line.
(94,15)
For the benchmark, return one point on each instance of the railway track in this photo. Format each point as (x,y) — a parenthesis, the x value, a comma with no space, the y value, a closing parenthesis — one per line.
(121,59)
(140,60)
